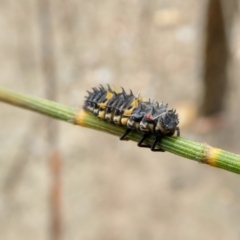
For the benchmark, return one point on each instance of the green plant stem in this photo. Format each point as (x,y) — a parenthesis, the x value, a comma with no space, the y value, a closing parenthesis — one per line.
(46,107)
(199,152)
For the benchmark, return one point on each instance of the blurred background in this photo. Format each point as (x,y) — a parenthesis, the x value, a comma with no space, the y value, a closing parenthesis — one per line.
(60,181)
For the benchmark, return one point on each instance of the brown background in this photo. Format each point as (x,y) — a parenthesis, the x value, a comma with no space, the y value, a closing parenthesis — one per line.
(113,189)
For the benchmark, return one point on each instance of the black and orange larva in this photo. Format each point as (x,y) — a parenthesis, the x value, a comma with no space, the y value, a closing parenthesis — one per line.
(150,118)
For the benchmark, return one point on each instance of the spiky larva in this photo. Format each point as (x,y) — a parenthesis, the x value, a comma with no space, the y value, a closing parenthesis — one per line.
(133,112)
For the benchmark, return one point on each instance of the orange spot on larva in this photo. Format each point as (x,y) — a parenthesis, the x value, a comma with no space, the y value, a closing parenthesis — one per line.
(149,116)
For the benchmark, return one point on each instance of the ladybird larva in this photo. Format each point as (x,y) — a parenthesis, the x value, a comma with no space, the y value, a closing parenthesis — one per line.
(136,114)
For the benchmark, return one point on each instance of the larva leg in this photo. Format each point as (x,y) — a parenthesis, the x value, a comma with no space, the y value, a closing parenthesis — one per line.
(157,139)
(178,131)
(125,134)
(144,137)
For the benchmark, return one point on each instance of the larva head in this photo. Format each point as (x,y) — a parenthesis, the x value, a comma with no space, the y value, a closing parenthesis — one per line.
(167,122)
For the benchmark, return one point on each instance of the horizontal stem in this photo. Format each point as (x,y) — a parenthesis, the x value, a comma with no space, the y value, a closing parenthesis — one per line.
(199,152)
(46,107)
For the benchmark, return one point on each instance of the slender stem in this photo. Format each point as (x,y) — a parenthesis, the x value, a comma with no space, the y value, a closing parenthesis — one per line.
(199,152)
(46,107)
